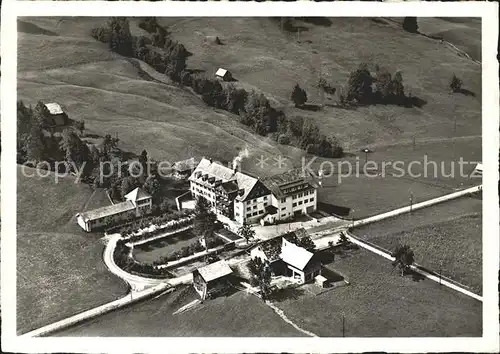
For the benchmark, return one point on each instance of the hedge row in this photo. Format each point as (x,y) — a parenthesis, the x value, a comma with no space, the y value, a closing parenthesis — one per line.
(181,216)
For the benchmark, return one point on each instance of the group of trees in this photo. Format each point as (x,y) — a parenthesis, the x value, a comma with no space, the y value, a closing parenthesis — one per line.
(36,142)
(103,167)
(364,88)
(117,34)
(170,57)
(261,276)
(204,221)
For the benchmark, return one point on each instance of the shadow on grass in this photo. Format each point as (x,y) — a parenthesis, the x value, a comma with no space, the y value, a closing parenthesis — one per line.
(379,21)
(90,135)
(334,209)
(416,276)
(310,107)
(318,21)
(287,294)
(344,107)
(28,27)
(195,71)
(466,92)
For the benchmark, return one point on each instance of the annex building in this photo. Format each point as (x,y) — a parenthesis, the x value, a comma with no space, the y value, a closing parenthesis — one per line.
(248,199)
(137,203)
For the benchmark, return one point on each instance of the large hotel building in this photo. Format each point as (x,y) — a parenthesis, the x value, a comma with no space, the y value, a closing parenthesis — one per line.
(248,199)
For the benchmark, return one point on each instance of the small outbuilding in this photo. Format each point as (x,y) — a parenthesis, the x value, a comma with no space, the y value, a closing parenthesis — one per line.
(212,279)
(321,281)
(57,117)
(224,74)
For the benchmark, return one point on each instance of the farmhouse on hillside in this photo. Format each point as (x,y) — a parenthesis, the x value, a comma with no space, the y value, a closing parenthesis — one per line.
(212,279)
(248,199)
(137,203)
(183,169)
(300,263)
(57,117)
(224,75)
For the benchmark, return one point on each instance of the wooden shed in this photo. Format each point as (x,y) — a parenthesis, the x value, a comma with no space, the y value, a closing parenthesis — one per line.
(224,74)
(211,280)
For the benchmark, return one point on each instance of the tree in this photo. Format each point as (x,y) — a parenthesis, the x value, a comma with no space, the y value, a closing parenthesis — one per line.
(204,220)
(410,24)
(310,133)
(398,89)
(259,114)
(143,159)
(455,84)
(342,239)
(256,265)
(34,143)
(264,281)
(120,38)
(403,257)
(246,231)
(128,185)
(383,84)
(307,243)
(261,276)
(360,85)
(234,99)
(73,147)
(109,143)
(178,57)
(299,96)
(153,187)
(80,125)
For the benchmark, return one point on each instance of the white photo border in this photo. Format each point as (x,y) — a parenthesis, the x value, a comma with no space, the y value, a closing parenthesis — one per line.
(488,11)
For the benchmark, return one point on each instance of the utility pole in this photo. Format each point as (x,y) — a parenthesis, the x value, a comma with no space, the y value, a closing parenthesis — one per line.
(414,136)
(343,325)
(411,201)
(440,271)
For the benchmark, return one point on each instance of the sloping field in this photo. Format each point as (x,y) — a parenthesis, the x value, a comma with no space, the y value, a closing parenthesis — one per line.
(446,237)
(464,33)
(259,54)
(238,315)
(380,303)
(59,267)
(113,95)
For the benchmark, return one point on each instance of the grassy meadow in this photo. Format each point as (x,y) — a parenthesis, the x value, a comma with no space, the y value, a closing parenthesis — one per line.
(446,237)
(60,271)
(380,303)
